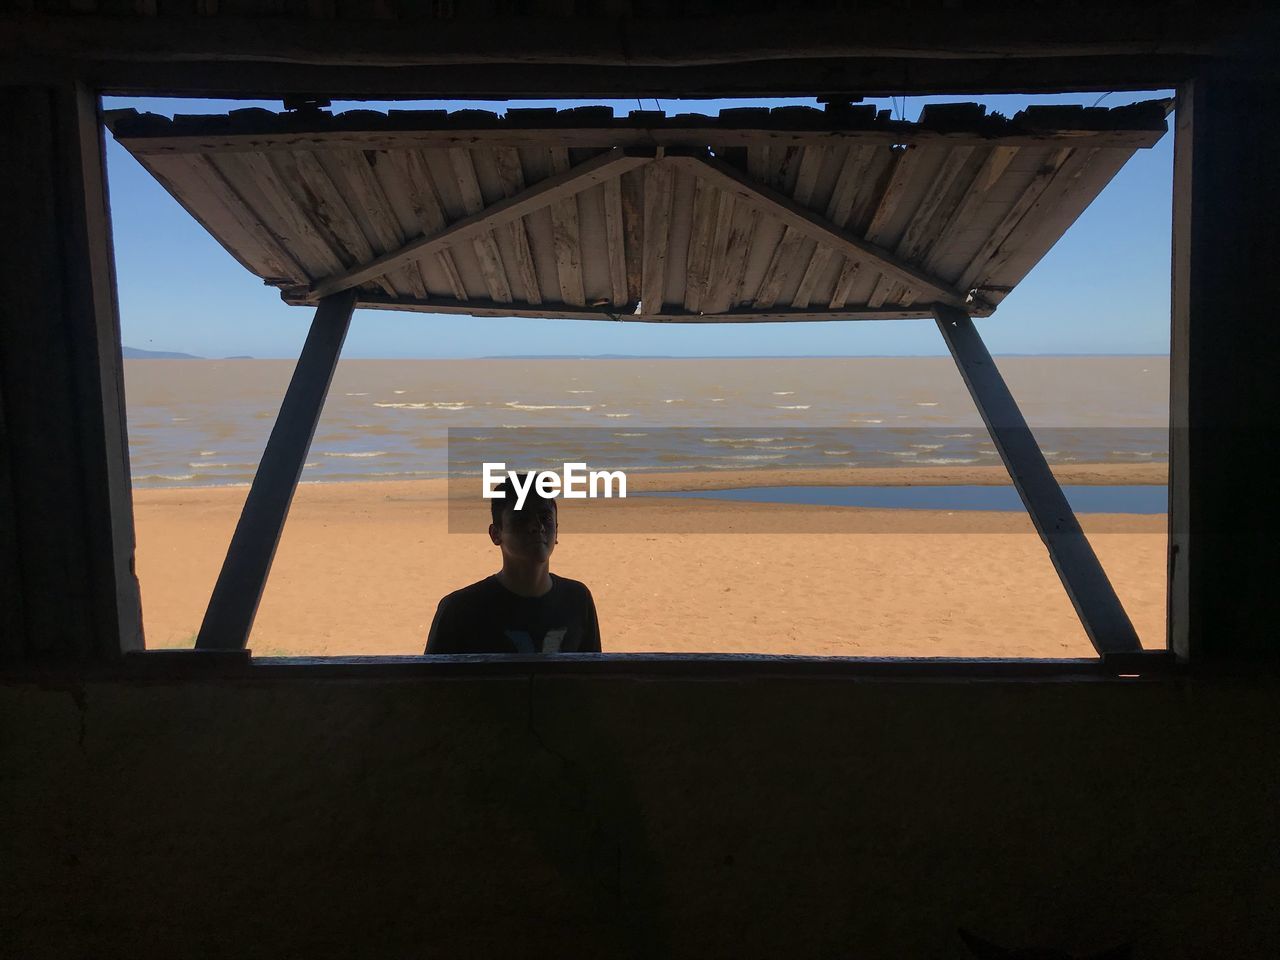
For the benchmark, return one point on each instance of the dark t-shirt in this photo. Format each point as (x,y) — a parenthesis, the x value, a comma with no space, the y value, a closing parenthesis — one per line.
(486,617)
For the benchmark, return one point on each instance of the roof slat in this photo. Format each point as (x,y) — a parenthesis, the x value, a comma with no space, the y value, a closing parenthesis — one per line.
(615,241)
(332,215)
(792,247)
(278,260)
(698,264)
(410,169)
(568,244)
(1039,183)
(659,186)
(486,247)
(511,173)
(921,225)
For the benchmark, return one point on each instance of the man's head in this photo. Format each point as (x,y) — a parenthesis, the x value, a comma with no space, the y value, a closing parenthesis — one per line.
(528,534)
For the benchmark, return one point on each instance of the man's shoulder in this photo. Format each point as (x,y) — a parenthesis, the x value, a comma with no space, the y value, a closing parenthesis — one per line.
(572,588)
(480,591)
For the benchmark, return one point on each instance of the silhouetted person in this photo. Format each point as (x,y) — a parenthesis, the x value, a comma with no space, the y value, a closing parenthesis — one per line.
(524,607)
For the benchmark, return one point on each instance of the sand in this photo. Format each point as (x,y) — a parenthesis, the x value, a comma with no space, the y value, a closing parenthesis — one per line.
(361,566)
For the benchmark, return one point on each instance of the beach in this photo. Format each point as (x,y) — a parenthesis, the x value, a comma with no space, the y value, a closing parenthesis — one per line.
(361,566)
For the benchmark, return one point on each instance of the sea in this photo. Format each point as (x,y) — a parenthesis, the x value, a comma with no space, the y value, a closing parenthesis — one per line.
(195,423)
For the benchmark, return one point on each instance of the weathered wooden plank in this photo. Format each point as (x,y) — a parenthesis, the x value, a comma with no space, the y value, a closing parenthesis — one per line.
(542,194)
(234,603)
(565,235)
(659,188)
(1086,583)
(975,195)
(511,173)
(607,137)
(873,209)
(715,299)
(280,261)
(374,215)
(633,229)
(615,239)
(1039,183)
(839,208)
(414,174)
(489,308)
(1049,217)
(303,236)
(698,262)
(849,270)
(815,226)
(922,224)
(486,247)
(329,211)
(791,248)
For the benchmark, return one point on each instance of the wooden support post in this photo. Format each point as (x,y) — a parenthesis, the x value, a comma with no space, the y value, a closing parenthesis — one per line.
(238,591)
(67,586)
(1224,515)
(1086,583)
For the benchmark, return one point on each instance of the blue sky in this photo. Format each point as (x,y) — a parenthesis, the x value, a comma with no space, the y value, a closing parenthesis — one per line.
(1104,288)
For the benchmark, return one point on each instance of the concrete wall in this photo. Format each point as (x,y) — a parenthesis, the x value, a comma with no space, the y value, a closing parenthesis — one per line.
(613,817)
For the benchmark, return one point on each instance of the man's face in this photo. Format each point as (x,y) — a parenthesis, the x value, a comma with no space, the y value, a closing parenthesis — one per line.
(528,534)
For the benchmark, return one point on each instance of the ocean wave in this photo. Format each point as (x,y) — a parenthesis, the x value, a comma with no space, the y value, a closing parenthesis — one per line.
(435,405)
(755,456)
(931,403)
(211,465)
(798,406)
(837,453)
(741,440)
(674,400)
(926,446)
(901,453)
(361,455)
(207,453)
(792,446)
(398,392)
(861,420)
(617,416)
(956,436)
(166,476)
(579,391)
(630,434)
(179,419)
(515,405)
(717,399)
(355,394)
(944,460)
(783,393)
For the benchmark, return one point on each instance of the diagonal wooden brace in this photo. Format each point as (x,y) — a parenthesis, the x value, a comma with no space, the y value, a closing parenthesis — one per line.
(1086,583)
(236,595)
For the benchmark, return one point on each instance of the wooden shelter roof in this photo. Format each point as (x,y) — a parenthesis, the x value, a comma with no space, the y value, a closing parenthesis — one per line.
(757,214)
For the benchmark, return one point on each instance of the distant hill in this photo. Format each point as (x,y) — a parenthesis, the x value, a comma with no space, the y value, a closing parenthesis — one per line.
(136,353)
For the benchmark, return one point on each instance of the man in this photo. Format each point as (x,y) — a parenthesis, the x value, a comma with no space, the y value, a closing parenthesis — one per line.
(524,607)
